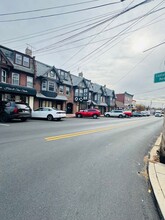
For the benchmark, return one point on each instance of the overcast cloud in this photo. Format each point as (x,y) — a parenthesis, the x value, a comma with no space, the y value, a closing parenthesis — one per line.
(110,54)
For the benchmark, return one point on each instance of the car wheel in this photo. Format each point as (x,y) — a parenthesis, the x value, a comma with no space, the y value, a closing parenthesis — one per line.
(120,116)
(94,116)
(107,115)
(79,116)
(50,117)
(4,118)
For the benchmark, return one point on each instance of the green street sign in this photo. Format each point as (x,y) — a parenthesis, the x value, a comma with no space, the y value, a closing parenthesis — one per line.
(159,77)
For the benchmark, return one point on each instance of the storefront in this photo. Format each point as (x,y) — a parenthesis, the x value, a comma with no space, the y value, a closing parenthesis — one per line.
(58,102)
(17,93)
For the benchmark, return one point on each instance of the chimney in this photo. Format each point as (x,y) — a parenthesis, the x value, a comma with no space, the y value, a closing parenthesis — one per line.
(80,74)
(28,52)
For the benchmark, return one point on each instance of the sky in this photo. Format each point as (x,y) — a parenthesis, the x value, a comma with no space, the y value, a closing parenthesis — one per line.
(120,44)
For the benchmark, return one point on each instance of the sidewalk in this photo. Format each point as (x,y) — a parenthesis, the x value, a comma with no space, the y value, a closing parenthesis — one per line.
(156,172)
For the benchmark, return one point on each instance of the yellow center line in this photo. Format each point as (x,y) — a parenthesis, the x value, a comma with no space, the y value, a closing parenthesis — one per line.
(69,135)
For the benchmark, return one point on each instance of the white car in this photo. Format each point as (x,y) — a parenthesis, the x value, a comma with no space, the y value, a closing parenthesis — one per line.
(115,113)
(48,113)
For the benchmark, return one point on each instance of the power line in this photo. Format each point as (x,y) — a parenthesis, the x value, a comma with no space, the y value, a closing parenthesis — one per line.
(58,14)
(45,9)
(113,39)
(88,29)
(151,48)
(58,28)
(75,41)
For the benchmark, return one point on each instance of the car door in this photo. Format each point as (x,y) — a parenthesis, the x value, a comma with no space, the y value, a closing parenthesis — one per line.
(38,113)
(86,113)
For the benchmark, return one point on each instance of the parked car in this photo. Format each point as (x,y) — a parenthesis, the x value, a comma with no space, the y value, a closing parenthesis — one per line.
(14,110)
(48,113)
(94,113)
(115,113)
(137,114)
(145,113)
(128,114)
(158,113)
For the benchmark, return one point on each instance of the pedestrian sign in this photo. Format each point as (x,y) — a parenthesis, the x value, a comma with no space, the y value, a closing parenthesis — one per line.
(159,77)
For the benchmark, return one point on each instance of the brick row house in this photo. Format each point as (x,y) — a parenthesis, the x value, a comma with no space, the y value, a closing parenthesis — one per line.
(125,100)
(23,78)
(16,76)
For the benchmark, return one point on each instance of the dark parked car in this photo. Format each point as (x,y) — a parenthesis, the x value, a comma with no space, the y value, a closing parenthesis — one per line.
(13,110)
(88,113)
(137,114)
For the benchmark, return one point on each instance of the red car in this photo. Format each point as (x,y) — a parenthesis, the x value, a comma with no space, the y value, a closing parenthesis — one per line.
(128,114)
(88,113)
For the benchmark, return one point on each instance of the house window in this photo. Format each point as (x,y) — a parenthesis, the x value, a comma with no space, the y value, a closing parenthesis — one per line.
(95,97)
(18,59)
(61,89)
(76,92)
(68,91)
(44,85)
(81,92)
(3,76)
(90,96)
(51,86)
(26,61)
(15,79)
(29,81)
(62,74)
(52,74)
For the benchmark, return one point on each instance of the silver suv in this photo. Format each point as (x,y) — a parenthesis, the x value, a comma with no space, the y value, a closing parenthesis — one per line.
(115,113)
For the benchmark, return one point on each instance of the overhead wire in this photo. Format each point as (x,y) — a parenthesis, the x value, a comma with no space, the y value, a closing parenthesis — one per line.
(93,38)
(46,9)
(58,28)
(59,14)
(88,29)
(78,40)
(109,41)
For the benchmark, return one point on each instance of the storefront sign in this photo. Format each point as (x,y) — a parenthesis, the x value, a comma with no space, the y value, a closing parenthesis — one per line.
(16,89)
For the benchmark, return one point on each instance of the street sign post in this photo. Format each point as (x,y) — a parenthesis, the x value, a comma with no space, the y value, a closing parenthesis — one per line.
(159,77)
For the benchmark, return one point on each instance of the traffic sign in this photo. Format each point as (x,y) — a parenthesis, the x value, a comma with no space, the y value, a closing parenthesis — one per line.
(159,77)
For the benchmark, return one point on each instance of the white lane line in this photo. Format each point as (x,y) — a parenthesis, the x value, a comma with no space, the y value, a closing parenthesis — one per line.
(4,125)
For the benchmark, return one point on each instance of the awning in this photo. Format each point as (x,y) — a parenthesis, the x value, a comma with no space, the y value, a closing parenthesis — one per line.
(90,102)
(58,97)
(103,104)
(8,88)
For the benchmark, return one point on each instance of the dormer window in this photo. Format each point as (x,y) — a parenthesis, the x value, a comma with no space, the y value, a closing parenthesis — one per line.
(22,60)
(26,62)
(18,59)
(52,75)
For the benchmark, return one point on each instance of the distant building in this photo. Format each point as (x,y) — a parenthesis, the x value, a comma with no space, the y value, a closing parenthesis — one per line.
(124,100)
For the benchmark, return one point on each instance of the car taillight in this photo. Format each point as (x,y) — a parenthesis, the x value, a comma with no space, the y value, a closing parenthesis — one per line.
(15,111)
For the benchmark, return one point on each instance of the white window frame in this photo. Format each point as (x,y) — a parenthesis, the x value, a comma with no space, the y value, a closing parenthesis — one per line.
(61,89)
(29,81)
(3,76)
(52,84)
(68,90)
(18,59)
(15,79)
(26,61)
(44,85)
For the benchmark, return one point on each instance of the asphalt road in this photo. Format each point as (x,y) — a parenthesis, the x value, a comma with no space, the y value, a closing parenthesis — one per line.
(76,169)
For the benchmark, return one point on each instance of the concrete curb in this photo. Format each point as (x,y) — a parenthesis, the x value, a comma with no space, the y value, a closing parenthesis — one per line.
(156,172)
